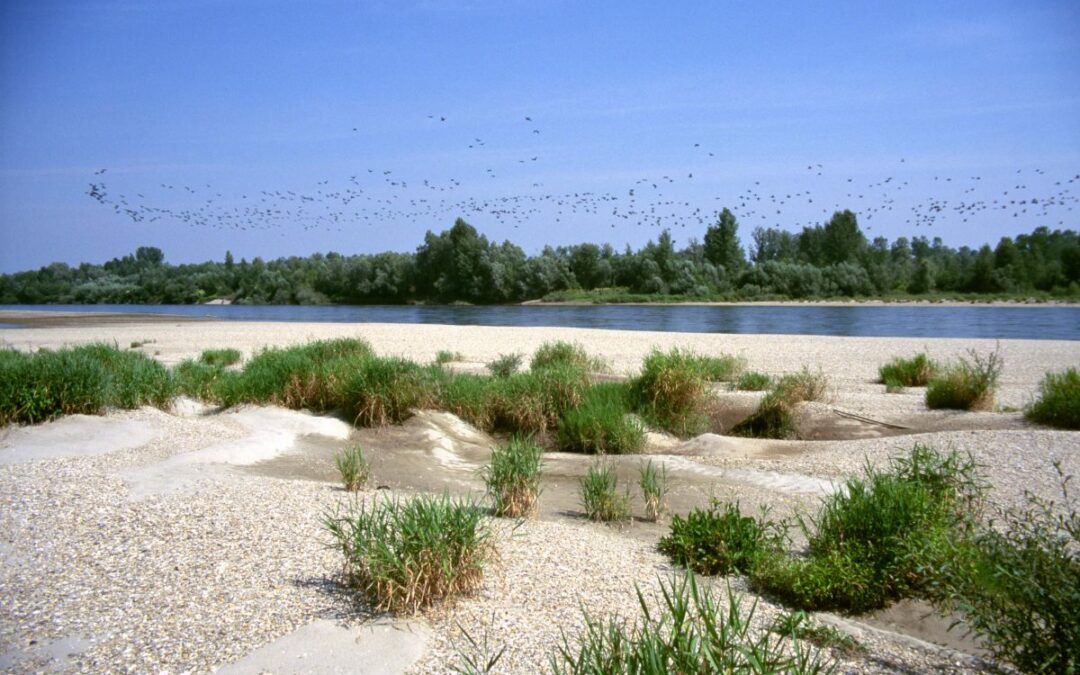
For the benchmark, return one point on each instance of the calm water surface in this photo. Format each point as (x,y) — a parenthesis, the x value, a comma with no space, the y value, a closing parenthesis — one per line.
(1027,322)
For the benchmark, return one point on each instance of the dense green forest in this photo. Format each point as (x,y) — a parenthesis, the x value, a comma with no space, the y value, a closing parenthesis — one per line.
(460,265)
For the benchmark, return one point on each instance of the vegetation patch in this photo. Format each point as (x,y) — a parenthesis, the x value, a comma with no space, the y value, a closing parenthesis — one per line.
(600,496)
(722,368)
(966,384)
(566,354)
(721,540)
(513,477)
(601,423)
(654,487)
(220,357)
(445,356)
(200,381)
(353,467)
(800,626)
(405,555)
(914,372)
(690,631)
(381,391)
(1059,401)
(505,366)
(754,381)
(671,392)
(774,418)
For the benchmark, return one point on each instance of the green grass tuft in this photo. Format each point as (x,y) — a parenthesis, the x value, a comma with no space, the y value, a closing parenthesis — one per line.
(353,468)
(513,477)
(601,423)
(671,392)
(220,357)
(383,391)
(600,494)
(445,356)
(914,372)
(566,354)
(754,381)
(966,385)
(406,555)
(1059,401)
(505,366)
(654,487)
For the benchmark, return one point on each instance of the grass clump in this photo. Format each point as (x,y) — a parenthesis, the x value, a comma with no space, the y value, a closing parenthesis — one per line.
(914,372)
(690,631)
(775,416)
(805,385)
(533,403)
(469,397)
(220,357)
(600,494)
(565,354)
(1018,585)
(754,381)
(201,381)
(513,477)
(671,392)
(654,489)
(723,368)
(966,385)
(405,555)
(601,423)
(381,391)
(81,380)
(721,540)
(1059,401)
(506,365)
(353,467)
(880,538)
(446,356)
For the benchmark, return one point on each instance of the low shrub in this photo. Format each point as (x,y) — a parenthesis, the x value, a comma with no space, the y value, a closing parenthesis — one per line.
(689,632)
(671,392)
(506,365)
(353,467)
(914,372)
(754,381)
(966,385)
(600,494)
(565,354)
(405,555)
(721,540)
(1018,585)
(1059,401)
(654,489)
(513,477)
(220,357)
(600,423)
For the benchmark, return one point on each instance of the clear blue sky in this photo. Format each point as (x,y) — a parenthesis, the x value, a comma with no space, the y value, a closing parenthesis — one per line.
(958,103)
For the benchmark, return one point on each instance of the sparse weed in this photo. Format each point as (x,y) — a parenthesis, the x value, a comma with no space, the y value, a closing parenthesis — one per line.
(805,385)
(654,487)
(1059,401)
(966,385)
(800,626)
(353,467)
(600,494)
(405,555)
(513,477)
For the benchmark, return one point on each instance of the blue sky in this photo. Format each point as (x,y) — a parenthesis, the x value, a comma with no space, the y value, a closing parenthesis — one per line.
(267,128)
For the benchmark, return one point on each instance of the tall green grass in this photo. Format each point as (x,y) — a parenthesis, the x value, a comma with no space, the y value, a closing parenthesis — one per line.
(79,380)
(654,488)
(690,631)
(565,354)
(601,423)
(671,392)
(381,391)
(353,467)
(914,372)
(966,384)
(513,477)
(1059,401)
(775,416)
(600,496)
(405,555)
(201,381)
(220,357)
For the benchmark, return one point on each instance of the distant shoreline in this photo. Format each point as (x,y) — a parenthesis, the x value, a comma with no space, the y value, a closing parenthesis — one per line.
(808,303)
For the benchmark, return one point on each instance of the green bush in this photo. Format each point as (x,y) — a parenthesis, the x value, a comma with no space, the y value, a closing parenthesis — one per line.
(914,372)
(600,494)
(1059,401)
(654,488)
(80,380)
(220,357)
(721,540)
(405,555)
(690,632)
(600,423)
(505,366)
(754,381)
(513,477)
(966,385)
(353,467)
(671,392)
(565,354)
(1018,585)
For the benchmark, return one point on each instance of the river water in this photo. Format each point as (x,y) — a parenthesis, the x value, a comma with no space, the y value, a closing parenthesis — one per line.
(1046,322)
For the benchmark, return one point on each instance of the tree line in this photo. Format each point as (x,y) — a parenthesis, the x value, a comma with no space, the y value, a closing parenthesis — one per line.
(831,260)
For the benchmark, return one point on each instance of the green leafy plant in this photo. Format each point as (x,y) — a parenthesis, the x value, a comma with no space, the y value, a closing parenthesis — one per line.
(600,423)
(405,555)
(721,540)
(600,496)
(1059,401)
(689,632)
(654,487)
(966,385)
(353,467)
(513,477)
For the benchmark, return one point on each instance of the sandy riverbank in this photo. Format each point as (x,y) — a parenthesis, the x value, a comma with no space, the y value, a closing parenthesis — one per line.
(182,540)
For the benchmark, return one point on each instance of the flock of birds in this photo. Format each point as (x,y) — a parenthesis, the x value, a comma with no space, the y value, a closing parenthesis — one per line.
(381,196)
